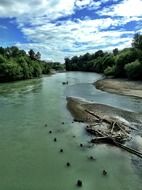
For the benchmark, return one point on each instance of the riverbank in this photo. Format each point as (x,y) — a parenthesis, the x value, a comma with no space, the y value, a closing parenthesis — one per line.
(120,86)
(108,122)
(78,106)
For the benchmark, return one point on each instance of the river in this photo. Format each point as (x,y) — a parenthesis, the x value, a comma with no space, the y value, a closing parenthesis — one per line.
(29,157)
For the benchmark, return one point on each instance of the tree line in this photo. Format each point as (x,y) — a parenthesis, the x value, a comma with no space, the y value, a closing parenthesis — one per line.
(16,64)
(126,63)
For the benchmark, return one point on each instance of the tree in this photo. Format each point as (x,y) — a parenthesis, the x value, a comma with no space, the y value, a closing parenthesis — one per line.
(14,51)
(16,64)
(99,53)
(110,71)
(46,67)
(2,67)
(98,67)
(126,56)
(115,51)
(2,51)
(32,54)
(67,64)
(108,60)
(137,41)
(38,56)
(86,57)
(134,70)
(12,71)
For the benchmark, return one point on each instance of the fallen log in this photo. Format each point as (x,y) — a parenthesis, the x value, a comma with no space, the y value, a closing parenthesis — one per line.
(92,113)
(103,132)
(113,140)
(97,117)
(112,122)
(131,150)
(126,133)
(112,128)
(94,132)
(110,140)
(102,140)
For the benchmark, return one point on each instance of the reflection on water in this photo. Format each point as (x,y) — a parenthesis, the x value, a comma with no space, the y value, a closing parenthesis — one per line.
(20,86)
(13,92)
(30,159)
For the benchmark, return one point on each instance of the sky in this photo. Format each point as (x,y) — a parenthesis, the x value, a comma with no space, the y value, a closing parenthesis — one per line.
(64,28)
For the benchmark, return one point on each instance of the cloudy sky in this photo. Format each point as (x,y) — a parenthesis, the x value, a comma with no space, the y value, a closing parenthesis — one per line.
(61,28)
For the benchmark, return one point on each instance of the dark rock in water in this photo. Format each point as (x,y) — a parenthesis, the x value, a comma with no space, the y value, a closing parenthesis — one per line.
(64,83)
(68,164)
(55,139)
(91,158)
(61,150)
(50,132)
(73,136)
(81,145)
(45,125)
(104,172)
(63,123)
(79,183)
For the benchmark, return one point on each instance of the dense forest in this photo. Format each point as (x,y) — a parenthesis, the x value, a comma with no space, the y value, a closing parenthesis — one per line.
(16,64)
(126,63)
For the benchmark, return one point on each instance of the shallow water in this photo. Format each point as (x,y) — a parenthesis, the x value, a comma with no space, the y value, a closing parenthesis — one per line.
(30,159)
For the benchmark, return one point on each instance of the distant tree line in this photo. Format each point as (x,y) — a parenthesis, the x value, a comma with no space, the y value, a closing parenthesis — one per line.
(126,63)
(16,64)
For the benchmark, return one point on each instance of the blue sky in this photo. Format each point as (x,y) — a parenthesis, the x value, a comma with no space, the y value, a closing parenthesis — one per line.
(64,28)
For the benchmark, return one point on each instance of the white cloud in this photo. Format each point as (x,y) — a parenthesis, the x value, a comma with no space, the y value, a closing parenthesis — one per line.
(81,3)
(56,39)
(90,4)
(126,8)
(52,9)
(67,38)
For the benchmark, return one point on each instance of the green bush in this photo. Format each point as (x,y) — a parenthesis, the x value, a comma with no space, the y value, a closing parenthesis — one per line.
(126,56)
(108,60)
(134,70)
(110,71)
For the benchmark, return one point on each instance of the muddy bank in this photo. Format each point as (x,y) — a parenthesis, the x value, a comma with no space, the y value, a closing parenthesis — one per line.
(109,124)
(77,107)
(120,86)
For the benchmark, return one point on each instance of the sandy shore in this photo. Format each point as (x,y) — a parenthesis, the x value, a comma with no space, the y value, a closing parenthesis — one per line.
(77,107)
(120,86)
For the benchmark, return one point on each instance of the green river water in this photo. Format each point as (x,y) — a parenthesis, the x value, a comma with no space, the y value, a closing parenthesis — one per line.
(29,157)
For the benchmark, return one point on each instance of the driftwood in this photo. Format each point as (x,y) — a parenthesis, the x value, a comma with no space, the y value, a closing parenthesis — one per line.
(113,123)
(108,120)
(131,150)
(112,127)
(110,140)
(102,136)
(117,132)
(102,140)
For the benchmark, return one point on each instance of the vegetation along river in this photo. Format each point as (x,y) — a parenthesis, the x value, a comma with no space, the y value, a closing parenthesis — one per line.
(29,157)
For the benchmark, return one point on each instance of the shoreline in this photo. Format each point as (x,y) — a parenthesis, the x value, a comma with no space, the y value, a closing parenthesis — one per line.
(78,106)
(108,123)
(120,86)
